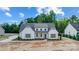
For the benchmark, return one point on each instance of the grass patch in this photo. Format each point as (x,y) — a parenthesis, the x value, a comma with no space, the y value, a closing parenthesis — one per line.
(2,37)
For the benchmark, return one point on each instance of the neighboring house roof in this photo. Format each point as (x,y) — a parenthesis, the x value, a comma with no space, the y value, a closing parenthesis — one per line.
(37,25)
(76,26)
(2,31)
(1,27)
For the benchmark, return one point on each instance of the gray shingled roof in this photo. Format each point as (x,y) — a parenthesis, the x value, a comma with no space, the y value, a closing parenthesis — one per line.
(76,26)
(40,25)
(37,25)
(1,28)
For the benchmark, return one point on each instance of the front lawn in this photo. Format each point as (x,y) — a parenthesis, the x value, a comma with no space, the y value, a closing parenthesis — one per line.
(2,37)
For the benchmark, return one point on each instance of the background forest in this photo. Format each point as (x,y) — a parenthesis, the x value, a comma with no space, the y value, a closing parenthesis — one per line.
(43,18)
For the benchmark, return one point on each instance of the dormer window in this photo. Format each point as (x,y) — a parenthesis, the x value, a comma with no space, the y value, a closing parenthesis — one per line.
(36,29)
(45,29)
(41,29)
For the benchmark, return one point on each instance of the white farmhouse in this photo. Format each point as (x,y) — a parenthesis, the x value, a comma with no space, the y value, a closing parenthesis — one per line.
(72,29)
(38,31)
(2,31)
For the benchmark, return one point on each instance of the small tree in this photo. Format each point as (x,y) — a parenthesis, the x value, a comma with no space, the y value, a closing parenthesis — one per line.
(77,36)
(63,35)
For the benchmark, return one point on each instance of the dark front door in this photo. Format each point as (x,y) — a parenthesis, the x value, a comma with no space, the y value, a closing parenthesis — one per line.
(45,36)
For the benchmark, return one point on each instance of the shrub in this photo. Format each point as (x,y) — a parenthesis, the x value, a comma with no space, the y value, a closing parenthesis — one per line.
(67,36)
(70,36)
(74,37)
(77,36)
(18,38)
(64,35)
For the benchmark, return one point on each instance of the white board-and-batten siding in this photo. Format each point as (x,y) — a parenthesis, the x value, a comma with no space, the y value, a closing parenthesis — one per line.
(27,30)
(53,32)
(70,30)
(2,31)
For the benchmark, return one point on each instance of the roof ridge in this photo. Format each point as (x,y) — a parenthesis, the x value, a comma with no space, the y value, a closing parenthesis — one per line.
(76,26)
(34,25)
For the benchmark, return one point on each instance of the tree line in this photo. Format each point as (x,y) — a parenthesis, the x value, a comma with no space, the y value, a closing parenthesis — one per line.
(11,28)
(43,18)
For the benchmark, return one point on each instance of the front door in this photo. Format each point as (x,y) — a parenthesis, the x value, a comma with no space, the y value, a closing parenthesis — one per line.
(45,36)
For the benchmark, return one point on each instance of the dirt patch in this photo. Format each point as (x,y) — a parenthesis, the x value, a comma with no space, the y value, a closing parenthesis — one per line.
(40,45)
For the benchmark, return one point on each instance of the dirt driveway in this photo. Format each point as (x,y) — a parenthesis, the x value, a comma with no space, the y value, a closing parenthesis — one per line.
(41,45)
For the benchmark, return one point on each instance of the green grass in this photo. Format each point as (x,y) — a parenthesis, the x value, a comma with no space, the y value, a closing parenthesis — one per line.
(3,37)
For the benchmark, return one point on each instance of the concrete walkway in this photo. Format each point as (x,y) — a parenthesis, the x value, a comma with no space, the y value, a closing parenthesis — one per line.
(10,38)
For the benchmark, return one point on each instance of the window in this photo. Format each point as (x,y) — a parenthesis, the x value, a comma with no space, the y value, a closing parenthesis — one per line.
(41,29)
(36,29)
(27,35)
(52,35)
(45,29)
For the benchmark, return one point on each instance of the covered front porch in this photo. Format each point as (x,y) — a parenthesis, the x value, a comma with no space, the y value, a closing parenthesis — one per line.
(40,35)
